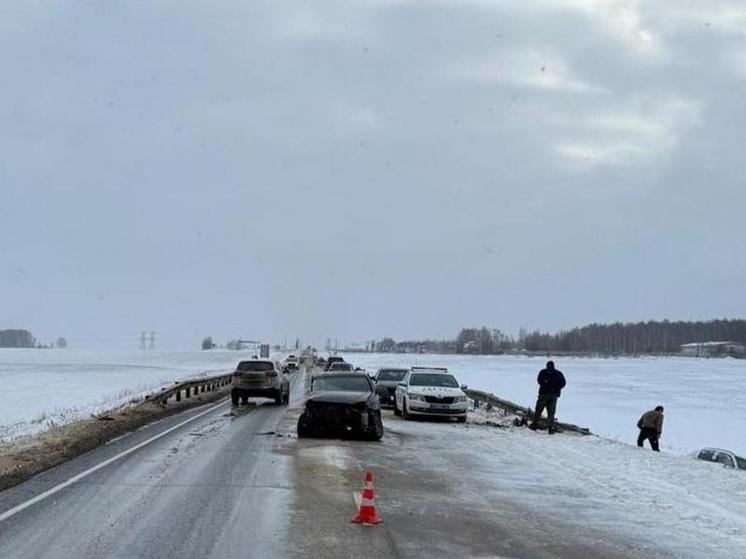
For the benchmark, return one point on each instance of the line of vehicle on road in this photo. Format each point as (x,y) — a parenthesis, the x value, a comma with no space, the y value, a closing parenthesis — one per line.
(346,401)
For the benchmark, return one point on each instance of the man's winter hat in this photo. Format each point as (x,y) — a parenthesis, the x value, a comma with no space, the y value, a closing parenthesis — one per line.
(550,364)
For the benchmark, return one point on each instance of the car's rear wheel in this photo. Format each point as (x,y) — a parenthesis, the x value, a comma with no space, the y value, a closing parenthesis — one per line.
(461,419)
(244,399)
(278,398)
(235,396)
(375,427)
(286,398)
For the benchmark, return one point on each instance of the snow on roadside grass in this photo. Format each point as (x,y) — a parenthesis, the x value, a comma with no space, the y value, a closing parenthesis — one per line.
(702,397)
(68,414)
(683,506)
(46,388)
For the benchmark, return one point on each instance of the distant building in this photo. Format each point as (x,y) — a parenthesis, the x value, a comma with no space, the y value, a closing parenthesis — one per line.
(714,349)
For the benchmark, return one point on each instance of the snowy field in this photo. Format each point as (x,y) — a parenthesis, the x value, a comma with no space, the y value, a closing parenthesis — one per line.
(703,397)
(42,388)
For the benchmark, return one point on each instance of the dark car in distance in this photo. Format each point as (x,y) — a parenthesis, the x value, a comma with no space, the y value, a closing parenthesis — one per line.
(333,359)
(389,378)
(341,367)
(342,404)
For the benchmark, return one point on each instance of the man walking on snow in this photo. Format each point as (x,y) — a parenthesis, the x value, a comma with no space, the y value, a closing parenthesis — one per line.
(651,427)
(551,382)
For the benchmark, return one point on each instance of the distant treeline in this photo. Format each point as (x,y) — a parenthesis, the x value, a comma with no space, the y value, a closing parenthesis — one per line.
(16,338)
(637,338)
(652,337)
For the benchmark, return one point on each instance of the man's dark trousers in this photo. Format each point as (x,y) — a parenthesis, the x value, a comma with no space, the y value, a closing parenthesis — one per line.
(548,401)
(651,435)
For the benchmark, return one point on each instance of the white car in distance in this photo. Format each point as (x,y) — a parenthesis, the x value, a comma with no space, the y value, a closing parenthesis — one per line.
(430,391)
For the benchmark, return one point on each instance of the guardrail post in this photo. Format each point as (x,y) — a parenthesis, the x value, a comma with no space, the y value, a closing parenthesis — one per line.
(178,395)
(188,391)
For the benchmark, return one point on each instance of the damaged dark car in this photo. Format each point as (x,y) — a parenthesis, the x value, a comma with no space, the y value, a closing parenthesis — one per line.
(342,404)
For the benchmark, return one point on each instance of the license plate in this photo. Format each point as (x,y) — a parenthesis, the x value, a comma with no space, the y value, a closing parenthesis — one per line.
(438,406)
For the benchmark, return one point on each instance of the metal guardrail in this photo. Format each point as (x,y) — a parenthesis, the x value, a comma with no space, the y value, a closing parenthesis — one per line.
(526,414)
(189,388)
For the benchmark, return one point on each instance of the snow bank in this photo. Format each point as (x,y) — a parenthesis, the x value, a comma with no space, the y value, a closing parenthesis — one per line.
(663,505)
(702,397)
(42,388)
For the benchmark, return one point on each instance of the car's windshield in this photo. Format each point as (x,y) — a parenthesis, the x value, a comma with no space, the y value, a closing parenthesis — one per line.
(349,383)
(256,366)
(433,379)
(391,374)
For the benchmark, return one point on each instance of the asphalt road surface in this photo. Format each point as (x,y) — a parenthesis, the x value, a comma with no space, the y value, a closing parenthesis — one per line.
(218,482)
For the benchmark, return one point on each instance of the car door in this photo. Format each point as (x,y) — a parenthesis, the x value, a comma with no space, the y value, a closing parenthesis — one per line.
(401,389)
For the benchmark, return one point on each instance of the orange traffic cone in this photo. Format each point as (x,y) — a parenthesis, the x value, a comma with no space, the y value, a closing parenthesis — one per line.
(367,513)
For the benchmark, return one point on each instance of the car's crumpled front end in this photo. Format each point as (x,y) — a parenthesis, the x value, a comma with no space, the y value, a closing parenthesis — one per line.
(334,417)
(340,414)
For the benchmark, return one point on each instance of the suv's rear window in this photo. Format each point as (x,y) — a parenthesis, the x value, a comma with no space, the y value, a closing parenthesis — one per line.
(433,379)
(256,366)
(340,367)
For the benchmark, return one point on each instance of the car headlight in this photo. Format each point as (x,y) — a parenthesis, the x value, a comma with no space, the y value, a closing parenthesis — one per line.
(414,396)
(460,399)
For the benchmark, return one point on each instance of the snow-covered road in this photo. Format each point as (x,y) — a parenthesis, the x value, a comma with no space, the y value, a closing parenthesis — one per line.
(476,491)
(238,482)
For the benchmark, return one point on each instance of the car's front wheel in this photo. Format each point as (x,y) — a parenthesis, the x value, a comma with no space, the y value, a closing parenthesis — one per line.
(404,411)
(304,427)
(397,411)
(375,427)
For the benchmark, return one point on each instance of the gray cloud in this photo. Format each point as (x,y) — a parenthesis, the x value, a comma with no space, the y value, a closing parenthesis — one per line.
(354,170)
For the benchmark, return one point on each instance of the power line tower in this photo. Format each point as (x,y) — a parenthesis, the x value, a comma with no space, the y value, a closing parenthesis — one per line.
(151,346)
(142,340)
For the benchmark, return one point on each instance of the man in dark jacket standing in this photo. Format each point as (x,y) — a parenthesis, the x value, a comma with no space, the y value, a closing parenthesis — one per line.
(551,382)
(651,427)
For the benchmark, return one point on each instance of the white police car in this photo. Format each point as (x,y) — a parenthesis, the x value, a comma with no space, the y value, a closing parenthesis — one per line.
(430,391)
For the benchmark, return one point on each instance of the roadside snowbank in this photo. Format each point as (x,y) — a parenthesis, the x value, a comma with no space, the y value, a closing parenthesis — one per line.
(702,397)
(659,505)
(47,388)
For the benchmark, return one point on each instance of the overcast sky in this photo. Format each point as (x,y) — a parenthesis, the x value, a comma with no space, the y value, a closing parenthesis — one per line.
(360,169)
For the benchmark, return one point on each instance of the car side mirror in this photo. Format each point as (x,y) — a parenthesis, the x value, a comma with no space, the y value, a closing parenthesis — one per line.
(402,384)
(464,387)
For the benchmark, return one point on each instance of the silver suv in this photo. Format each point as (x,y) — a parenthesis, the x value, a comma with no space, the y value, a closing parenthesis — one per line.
(261,378)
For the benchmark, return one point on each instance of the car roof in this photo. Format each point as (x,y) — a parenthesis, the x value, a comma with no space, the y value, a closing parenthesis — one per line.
(429,369)
(713,449)
(393,369)
(340,375)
